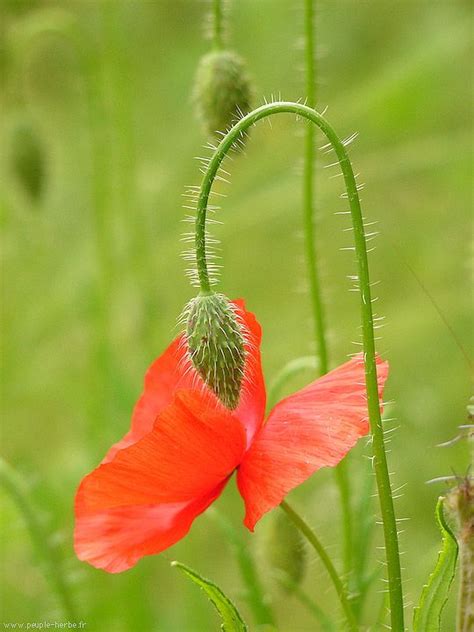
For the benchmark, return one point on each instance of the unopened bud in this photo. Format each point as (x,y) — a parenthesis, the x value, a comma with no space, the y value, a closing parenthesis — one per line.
(27,160)
(222,90)
(286,552)
(216,345)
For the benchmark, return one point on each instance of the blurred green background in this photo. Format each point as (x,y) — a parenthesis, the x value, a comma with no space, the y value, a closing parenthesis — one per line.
(93,283)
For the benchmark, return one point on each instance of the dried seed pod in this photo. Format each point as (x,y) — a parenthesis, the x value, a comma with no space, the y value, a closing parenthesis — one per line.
(27,160)
(285,551)
(216,345)
(222,90)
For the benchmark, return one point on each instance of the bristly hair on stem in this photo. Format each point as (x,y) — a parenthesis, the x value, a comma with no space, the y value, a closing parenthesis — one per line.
(367,317)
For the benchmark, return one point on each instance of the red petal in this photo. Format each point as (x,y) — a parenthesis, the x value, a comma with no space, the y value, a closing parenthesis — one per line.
(313,428)
(173,371)
(164,376)
(169,476)
(117,538)
(251,409)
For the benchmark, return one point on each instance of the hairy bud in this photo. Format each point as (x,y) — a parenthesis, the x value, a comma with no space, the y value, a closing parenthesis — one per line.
(27,160)
(285,551)
(216,345)
(222,90)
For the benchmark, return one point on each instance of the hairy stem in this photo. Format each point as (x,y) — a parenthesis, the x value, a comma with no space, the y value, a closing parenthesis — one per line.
(320,550)
(466,583)
(378,446)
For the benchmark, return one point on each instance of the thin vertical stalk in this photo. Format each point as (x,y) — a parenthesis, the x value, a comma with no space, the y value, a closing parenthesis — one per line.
(308,197)
(378,446)
(465,615)
(309,215)
(309,223)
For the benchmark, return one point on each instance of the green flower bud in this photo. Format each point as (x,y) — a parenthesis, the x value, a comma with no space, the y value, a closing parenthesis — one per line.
(216,344)
(27,160)
(285,551)
(222,90)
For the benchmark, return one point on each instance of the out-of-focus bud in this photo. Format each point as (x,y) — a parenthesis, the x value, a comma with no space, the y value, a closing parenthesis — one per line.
(216,345)
(222,90)
(27,160)
(285,551)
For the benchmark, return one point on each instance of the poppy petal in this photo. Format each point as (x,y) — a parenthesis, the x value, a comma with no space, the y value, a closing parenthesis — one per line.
(194,445)
(313,428)
(170,475)
(173,371)
(251,408)
(167,373)
(115,539)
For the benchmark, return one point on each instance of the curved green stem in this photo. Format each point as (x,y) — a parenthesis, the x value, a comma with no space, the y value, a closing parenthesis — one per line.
(320,550)
(14,486)
(378,446)
(217,24)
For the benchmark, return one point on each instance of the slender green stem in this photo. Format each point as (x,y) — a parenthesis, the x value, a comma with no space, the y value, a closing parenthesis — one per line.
(309,223)
(217,24)
(320,550)
(319,614)
(309,215)
(14,486)
(378,446)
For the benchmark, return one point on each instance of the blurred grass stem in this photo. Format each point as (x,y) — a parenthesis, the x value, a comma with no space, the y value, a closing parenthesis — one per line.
(52,565)
(310,223)
(320,550)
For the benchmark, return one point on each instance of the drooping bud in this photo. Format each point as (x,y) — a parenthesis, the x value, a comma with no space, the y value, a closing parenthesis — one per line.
(27,160)
(222,90)
(285,551)
(216,345)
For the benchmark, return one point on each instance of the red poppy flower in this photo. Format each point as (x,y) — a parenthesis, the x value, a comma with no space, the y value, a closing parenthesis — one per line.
(184,445)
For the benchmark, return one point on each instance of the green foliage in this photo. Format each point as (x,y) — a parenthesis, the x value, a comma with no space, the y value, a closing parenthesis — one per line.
(231,619)
(427,616)
(222,90)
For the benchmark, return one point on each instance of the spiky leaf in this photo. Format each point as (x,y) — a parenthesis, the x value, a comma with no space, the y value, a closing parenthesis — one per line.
(427,616)
(231,619)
